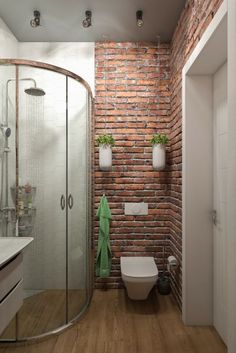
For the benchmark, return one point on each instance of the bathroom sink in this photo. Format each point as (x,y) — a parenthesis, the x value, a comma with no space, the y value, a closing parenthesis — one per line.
(11,277)
(11,246)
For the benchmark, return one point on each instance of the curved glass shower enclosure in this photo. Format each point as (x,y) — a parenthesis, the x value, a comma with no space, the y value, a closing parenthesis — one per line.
(45,191)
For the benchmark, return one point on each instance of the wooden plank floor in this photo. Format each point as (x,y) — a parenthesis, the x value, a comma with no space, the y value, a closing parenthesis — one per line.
(115,324)
(45,311)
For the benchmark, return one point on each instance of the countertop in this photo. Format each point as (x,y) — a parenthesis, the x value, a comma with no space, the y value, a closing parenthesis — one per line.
(11,246)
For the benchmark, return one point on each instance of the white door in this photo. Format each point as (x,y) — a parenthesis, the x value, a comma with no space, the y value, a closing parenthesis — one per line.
(220,200)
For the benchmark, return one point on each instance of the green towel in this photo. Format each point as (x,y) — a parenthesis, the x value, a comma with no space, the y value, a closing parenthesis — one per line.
(103,260)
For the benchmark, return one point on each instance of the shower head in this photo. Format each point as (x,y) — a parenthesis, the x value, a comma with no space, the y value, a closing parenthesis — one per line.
(35,91)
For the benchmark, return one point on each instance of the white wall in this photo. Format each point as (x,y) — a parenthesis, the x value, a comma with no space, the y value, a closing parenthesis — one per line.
(231,247)
(49,269)
(220,203)
(42,151)
(226,12)
(197,200)
(8,42)
(76,57)
(8,49)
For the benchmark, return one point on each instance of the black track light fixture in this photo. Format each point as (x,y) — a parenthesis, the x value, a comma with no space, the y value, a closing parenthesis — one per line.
(35,22)
(139,18)
(87,22)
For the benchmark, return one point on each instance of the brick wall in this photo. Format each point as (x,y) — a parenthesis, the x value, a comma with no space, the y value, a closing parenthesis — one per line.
(193,21)
(138,92)
(132,103)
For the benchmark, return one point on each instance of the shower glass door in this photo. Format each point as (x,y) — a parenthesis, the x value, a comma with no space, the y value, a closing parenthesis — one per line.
(77,197)
(42,199)
(45,192)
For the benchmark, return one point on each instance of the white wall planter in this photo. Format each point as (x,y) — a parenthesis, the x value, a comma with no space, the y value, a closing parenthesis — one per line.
(105,157)
(159,156)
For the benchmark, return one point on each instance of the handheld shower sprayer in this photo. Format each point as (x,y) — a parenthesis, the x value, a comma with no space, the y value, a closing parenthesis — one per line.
(6,131)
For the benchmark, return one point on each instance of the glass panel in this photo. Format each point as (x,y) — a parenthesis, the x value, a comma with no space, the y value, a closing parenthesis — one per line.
(7,162)
(78,196)
(42,183)
(7,148)
(44,174)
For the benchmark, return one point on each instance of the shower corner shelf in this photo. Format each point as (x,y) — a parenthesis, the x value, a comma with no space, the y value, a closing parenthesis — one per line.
(26,210)
(25,196)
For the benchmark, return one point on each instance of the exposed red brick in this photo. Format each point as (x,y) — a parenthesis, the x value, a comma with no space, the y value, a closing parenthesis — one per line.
(138,93)
(138,107)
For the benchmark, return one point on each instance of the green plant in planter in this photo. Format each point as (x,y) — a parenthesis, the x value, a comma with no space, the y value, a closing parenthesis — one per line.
(161,139)
(105,140)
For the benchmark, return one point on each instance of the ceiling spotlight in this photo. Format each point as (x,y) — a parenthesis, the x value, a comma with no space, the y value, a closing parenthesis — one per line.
(139,18)
(87,22)
(35,22)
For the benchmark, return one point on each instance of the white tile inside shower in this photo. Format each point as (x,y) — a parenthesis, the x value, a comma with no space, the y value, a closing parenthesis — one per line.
(43,165)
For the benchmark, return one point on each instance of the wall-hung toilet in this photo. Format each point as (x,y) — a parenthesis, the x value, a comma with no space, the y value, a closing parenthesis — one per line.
(139,275)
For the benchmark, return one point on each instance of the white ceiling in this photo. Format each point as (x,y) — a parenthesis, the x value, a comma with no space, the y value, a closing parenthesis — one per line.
(111,19)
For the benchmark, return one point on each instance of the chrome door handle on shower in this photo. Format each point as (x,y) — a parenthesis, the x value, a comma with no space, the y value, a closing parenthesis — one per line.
(214,217)
(70,201)
(63,202)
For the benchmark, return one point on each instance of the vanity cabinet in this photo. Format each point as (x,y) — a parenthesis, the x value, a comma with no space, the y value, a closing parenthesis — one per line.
(11,278)
(11,290)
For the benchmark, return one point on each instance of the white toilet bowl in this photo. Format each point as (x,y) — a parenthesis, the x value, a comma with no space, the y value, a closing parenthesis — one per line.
(139,275)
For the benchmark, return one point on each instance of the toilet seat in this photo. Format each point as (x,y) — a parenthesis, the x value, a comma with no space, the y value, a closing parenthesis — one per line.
(139,267)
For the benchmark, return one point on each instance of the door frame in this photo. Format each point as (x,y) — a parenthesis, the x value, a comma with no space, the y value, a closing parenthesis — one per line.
(197,99)
(220,131)
(197,227)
